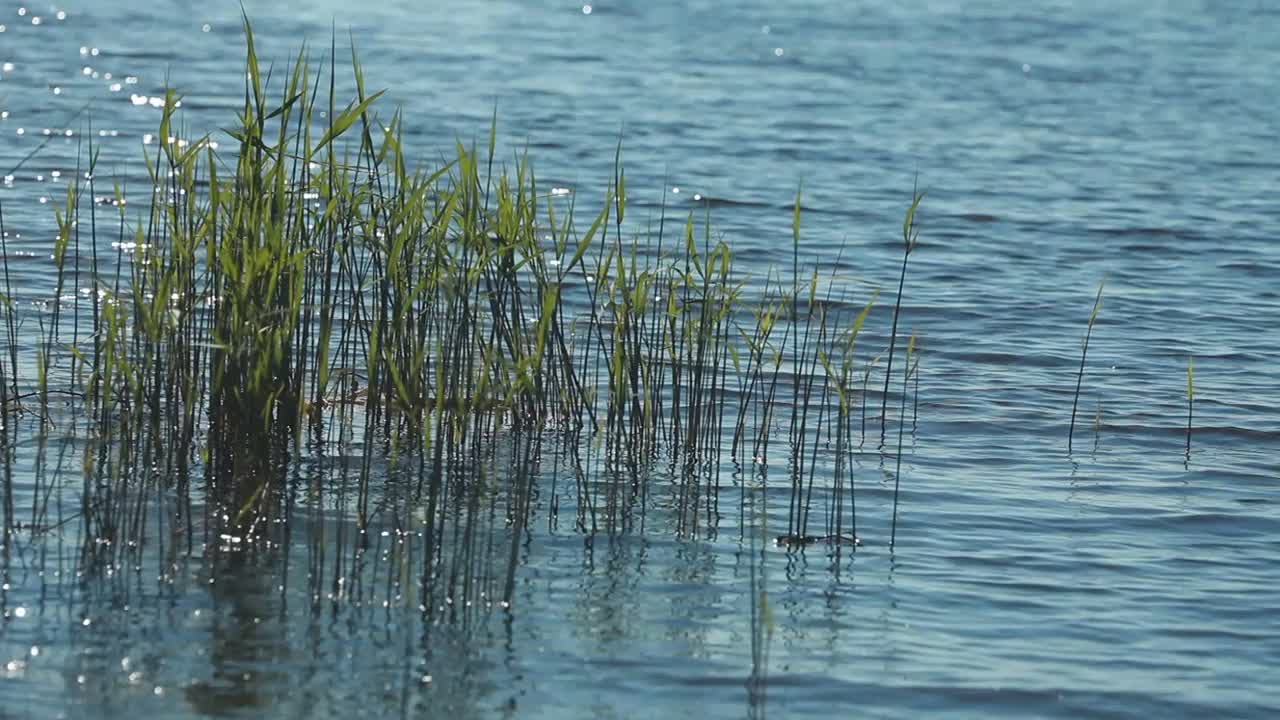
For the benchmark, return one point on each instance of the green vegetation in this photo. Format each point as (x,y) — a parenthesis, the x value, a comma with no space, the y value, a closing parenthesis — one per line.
(910,237)
(311,294)
(1191,398)
(897,473)
(1084,352)
(310,326)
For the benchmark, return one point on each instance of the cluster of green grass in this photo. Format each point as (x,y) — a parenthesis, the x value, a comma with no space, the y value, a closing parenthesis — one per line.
(313,323)
(314,289)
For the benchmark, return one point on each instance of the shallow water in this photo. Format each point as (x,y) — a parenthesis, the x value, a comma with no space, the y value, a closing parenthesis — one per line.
(1061,145)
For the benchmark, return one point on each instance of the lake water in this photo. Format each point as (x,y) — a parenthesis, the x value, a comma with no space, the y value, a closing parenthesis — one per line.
(1061,143)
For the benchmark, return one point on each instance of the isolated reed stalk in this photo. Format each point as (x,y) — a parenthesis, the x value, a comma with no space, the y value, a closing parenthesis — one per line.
(866,382)
(10,325)
(1084,352)
(1191,398)
(910,236)
(897,473)
(795,252)
(797,359)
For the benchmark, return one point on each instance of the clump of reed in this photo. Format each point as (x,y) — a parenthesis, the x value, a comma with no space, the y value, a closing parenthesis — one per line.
(453,332)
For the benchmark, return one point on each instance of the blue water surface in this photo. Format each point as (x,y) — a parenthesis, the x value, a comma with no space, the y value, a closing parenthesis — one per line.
(1061,144)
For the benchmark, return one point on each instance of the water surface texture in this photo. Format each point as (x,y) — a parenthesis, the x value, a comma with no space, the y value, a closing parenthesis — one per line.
(1060,143)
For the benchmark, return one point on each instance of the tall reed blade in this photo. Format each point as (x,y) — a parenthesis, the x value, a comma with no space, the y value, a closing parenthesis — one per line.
(1191,398)
(902,423)
(1084,352)
(910,237)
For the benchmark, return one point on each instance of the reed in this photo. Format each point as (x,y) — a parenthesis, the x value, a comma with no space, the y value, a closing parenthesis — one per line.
(902,423)
(1191,398)
(866,382)
(1084,352)
(304,327)
(910,237)
(10,321)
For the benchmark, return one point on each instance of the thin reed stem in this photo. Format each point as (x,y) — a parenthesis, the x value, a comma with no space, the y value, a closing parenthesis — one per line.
(1084,352)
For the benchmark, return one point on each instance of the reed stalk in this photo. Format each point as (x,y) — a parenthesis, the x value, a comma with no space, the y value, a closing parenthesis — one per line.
(1084,352)
(897,473)
(1191,398)
(910,237)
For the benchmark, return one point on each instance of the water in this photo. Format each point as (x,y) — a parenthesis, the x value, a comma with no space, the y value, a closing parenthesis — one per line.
(1059,145)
